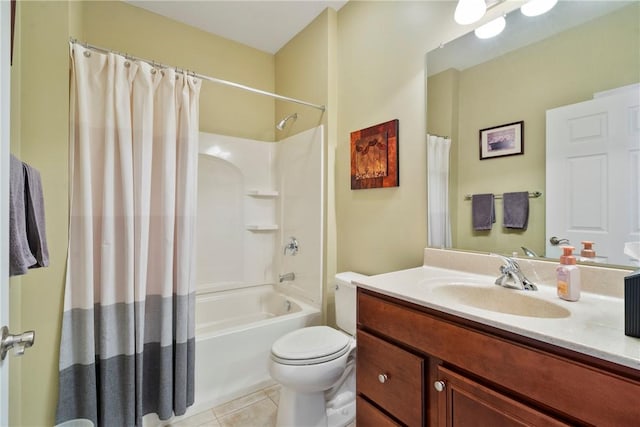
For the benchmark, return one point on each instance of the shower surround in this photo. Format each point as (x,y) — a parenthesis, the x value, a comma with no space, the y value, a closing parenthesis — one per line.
(252,197)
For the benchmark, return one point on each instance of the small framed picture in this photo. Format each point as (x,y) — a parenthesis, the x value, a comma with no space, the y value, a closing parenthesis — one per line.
(503,140)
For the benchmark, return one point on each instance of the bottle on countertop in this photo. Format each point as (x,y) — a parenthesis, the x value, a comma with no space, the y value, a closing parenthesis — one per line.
(587,250)
(568,276)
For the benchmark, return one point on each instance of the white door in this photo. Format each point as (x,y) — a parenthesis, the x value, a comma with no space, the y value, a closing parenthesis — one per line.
(5,37)
(593,151)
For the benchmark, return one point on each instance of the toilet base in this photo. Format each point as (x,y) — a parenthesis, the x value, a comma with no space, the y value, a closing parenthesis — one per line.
(343,415)
(311,409)
(301,409)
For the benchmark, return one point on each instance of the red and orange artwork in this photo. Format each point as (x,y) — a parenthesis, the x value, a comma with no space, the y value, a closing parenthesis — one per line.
(374,156)
(371,157)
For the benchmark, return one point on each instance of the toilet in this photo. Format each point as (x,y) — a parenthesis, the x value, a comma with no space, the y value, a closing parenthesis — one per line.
(316,367)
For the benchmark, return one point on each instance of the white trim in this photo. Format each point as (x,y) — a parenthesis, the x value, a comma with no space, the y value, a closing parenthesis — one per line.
(5,105)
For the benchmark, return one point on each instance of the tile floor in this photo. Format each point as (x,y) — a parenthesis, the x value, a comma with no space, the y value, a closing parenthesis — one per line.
(253,410)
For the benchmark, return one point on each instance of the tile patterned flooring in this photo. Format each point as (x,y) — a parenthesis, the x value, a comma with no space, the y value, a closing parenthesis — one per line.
(253,410)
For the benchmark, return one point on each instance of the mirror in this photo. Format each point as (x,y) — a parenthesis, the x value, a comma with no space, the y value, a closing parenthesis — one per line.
(564,57)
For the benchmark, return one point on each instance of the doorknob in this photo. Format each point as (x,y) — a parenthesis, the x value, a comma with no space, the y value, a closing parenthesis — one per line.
(21,342)
(556,241)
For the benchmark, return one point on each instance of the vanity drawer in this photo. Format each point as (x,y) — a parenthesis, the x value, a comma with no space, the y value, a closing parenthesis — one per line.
(391,377)
(368,416)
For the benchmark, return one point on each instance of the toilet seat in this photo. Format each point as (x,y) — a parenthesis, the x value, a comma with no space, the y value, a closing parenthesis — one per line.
(310,346)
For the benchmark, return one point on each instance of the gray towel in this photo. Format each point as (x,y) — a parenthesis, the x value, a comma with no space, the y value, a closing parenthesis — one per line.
(483,212)
(34,207)
(516,210)
(20,256)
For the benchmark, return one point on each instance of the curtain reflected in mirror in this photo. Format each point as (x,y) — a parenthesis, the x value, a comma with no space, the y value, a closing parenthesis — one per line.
(439,217)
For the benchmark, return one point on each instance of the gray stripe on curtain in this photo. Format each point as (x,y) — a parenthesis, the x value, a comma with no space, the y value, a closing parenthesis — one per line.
(114,323)
(103,392)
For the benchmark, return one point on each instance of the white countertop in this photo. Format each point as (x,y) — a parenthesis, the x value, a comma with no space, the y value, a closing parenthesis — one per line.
(594,327)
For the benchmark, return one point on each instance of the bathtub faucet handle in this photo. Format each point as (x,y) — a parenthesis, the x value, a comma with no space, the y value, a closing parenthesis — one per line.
(292,246)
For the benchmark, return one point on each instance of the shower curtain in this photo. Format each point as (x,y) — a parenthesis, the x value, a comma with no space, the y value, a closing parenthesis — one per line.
(438,220)
(127,345)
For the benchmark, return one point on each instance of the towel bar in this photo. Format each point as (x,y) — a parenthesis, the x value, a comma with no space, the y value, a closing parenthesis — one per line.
(532,195)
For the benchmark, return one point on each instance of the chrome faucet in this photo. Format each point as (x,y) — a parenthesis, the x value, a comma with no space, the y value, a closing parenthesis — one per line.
(512,277)
(287,276)
(292,246)
(528,252)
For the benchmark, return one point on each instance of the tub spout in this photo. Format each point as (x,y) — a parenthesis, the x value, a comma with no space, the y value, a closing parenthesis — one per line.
(287,276)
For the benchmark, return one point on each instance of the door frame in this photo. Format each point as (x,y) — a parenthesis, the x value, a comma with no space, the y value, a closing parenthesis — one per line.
(5,105)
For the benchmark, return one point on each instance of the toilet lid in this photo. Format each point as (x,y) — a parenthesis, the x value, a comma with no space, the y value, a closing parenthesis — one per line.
(314,342)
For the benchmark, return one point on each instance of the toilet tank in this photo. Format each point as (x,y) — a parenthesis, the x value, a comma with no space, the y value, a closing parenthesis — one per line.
(345,294)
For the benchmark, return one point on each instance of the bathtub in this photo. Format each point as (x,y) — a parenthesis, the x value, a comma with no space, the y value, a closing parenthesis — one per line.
(234,333)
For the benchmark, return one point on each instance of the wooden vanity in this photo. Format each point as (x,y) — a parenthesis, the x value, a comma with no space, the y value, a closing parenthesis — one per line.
(418,366)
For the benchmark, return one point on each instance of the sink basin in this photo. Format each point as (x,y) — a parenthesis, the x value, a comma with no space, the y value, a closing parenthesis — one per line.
(500,300)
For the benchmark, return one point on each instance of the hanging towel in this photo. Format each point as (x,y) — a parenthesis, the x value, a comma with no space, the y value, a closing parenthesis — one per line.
(27,240)
(516,210)
(20,256)
(483,211)
(34,207)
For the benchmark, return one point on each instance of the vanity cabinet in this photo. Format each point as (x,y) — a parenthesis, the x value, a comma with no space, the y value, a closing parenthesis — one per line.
(418,366)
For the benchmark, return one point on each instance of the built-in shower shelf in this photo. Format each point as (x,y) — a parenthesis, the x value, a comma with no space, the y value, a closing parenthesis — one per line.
(262,227)
(263,193)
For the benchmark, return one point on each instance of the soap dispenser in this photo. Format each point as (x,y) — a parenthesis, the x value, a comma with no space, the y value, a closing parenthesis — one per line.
(568,276)
(587,250)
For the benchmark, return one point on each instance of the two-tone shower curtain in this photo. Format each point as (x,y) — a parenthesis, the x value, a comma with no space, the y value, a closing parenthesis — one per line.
(438,216)
(127,345)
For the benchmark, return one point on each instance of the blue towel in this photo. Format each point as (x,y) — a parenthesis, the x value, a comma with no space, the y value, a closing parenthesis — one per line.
(483,211)
(516,210)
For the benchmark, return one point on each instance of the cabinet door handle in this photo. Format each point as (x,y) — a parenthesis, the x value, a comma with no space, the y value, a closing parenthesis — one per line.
(439,386)
(383,378)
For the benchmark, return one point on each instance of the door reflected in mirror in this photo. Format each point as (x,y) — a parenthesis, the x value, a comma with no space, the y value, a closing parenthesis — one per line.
(577,50)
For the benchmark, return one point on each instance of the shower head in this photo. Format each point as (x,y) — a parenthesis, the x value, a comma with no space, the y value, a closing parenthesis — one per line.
(282,123)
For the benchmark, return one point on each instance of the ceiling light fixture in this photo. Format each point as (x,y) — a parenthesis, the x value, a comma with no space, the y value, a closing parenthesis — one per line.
(537,7)
(491,28)
(469,11)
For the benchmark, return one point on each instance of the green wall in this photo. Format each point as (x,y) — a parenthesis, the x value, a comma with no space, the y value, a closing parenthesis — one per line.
(40,120)
(306,69)
(522,85)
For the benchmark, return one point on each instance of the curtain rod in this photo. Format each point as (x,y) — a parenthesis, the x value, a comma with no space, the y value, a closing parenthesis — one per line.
(201,76)
(438,136)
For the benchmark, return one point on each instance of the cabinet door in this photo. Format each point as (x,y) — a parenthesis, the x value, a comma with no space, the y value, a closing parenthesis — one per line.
(463,402)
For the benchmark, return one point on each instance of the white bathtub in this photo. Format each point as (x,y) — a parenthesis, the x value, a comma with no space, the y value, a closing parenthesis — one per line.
(234,333)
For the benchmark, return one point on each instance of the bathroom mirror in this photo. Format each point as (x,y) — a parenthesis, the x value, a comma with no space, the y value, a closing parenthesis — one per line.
(578,49)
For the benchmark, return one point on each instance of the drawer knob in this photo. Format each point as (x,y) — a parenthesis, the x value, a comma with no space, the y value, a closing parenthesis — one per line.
(439,386)
(383,378)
